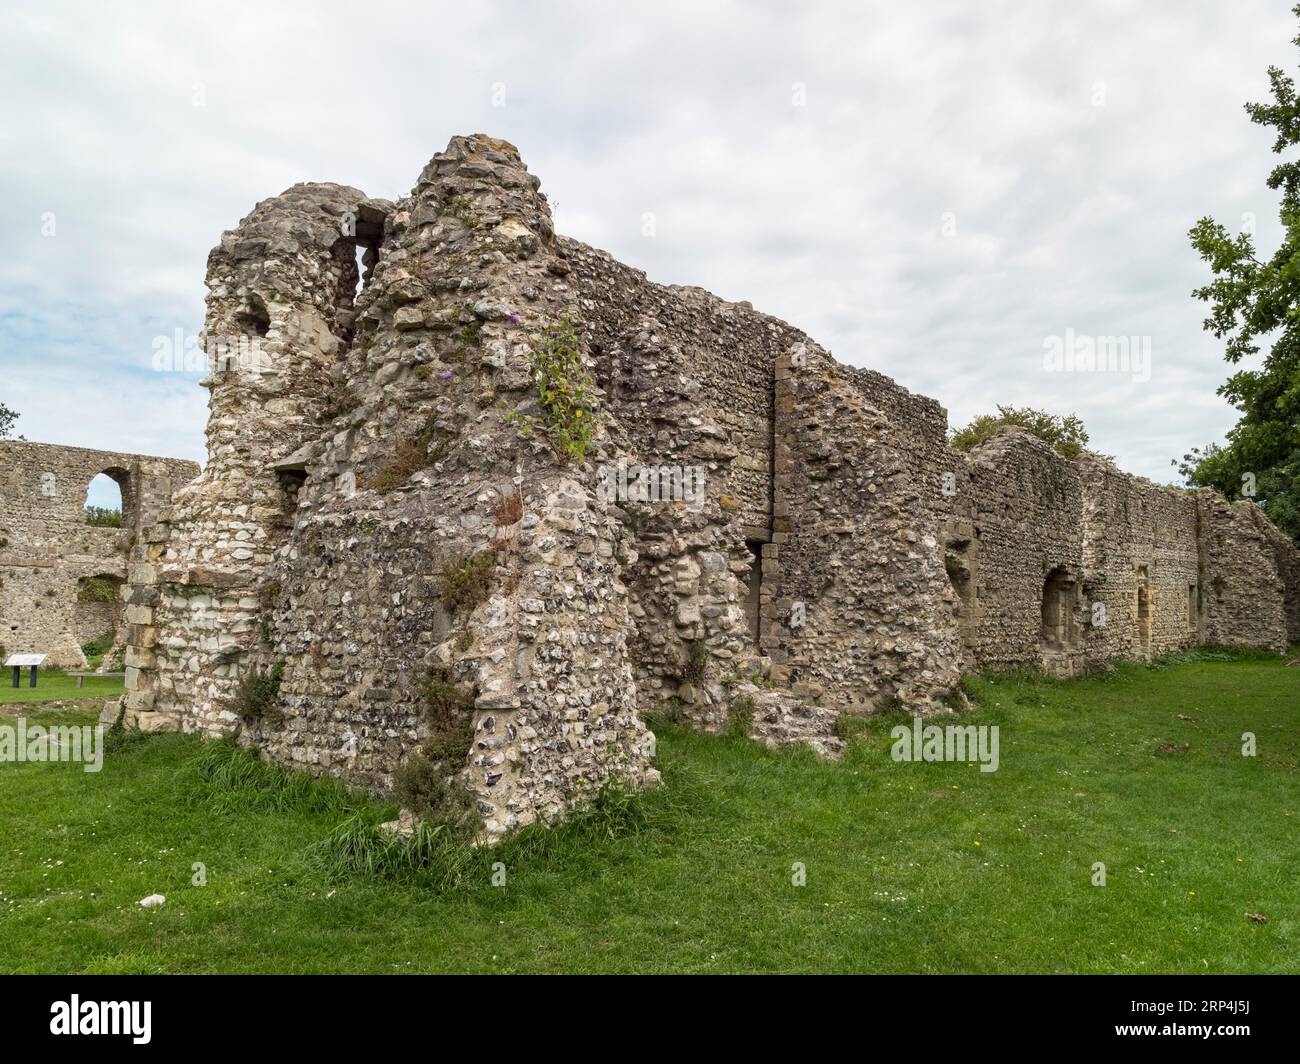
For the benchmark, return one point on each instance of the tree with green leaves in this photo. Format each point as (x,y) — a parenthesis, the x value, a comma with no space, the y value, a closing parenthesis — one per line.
(1253,300)
(7,418)
(1066,434)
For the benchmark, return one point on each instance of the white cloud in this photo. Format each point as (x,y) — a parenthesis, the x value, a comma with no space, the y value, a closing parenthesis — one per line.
(1068,215)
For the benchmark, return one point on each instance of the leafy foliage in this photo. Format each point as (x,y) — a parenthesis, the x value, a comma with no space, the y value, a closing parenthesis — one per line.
(103,517)
(565,391)
(97,589)
(7,418)
(1066,434)
(1250,299)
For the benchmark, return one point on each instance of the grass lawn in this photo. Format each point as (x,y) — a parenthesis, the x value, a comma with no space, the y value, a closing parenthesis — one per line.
(910,867)
(56,684)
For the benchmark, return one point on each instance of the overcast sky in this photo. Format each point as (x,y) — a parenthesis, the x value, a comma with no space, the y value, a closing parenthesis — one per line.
(932,190)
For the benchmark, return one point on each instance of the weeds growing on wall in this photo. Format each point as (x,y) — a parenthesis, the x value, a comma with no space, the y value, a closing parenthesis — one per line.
(411,454)
(97,589)
(508,509)
(565,391)
(462,207)
(431,791)
(741,718)
(467,582)
(448,710)
(338,400)
(255,694)
(697,662)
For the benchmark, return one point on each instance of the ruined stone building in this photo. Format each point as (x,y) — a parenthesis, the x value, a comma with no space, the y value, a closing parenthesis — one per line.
(419,474)
(50,556)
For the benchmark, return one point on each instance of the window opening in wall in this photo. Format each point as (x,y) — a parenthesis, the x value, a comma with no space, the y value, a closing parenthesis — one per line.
(1144,610)
(255,320)
(105,505)
(1060,626)
(1191,605)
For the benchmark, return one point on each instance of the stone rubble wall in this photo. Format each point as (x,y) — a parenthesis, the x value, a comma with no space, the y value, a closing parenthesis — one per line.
(47,549)
(1287,558)
(1019,507)
(1244,596)
(841,557)
(469,281)
(689,376)
(280,293)
(861,615)
(1141,557)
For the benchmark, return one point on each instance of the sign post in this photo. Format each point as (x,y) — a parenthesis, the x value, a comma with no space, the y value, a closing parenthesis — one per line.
(18,662)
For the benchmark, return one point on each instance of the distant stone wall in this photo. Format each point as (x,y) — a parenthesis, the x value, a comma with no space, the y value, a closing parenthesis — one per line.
(94,619)
(47,549)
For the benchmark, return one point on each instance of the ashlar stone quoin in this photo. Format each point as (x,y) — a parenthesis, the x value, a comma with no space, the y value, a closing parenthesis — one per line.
(408,491)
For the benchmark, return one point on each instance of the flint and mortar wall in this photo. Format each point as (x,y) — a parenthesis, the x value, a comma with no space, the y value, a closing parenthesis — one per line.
(466,282)
(385,446)
(279,315)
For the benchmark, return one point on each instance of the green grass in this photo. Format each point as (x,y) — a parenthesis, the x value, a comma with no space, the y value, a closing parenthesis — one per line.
(54,684)
(910,867)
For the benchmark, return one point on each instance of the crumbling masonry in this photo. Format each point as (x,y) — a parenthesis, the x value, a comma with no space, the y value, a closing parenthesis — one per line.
(390,496)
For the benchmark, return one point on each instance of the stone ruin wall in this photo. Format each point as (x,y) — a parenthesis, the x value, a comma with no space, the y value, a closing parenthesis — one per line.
(842,553)
(1244,598)
(47,549)
(279,316)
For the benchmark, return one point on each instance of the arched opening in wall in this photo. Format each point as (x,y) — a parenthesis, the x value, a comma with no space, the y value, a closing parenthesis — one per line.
(1144,610)
(1060,626)
(108,500)
(98,616)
